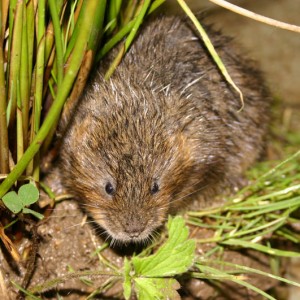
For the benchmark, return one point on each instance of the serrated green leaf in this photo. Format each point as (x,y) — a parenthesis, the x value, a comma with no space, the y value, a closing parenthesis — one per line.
(12,201)
(28,193)
(174,257)
(34,213)
(156,288)
(127,279)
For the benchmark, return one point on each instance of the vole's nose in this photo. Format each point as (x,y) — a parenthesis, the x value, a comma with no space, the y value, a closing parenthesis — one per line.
(134,227)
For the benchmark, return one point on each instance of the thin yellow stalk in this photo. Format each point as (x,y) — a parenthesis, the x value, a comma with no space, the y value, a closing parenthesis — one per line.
(129,11)
(211,49)
(247,13)
(4,12)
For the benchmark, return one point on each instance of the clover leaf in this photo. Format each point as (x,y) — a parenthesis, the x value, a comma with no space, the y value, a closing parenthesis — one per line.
(27,195)
(12,202)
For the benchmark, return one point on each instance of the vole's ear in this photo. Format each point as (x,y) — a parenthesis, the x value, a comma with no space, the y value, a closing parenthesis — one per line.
(78,134)
(183,147)
(201,153)
(84,134)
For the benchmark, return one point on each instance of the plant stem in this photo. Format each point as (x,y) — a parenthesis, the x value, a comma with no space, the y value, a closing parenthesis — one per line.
(30,37)
(124,31)
(62,94)
(211,49)
(39,80)
(20,137)
(129,39)
(58,42)
(3,126)
(4,11)
(23,106)
(15,58)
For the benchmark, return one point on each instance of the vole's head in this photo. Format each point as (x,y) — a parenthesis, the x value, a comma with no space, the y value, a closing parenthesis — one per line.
(128,168)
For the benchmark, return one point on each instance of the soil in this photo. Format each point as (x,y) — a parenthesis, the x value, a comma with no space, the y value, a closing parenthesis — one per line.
(67,242)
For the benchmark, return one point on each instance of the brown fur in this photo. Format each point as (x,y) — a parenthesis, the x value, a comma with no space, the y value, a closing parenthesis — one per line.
(166,116)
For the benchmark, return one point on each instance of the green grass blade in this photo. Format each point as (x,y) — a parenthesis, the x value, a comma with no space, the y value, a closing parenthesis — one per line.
(34,168)
(15,59)
(58,42)
(62,93)
(70,25)
(222,275)
(261,248)
(3,125)
(113,13)
(97,31)
(79,23)
(242,268)
(124,31)
(20,137)
(129,40)
(30,295)
(23,105)
(30,37)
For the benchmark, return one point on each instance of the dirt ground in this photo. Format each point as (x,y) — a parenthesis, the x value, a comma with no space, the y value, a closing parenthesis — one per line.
(68,242)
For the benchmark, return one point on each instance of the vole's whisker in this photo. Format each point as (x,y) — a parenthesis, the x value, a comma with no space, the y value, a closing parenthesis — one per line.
(190,186)
(61,209)
(190,194)
(90,205)
(72,226)
(59,217)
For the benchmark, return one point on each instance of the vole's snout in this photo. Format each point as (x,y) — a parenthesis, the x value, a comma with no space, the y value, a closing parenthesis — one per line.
(134,226)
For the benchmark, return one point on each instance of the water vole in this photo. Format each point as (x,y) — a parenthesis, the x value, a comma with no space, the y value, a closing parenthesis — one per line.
(163,129)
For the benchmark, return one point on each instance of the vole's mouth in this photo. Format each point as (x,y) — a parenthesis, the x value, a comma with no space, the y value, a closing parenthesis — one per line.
(118,234)
(123,236)
(136,228)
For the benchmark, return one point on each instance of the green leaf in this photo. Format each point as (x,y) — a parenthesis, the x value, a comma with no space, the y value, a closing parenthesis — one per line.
(34,213)
(174,257)
(156,288)
(28,193)
(13,202)
(127,279)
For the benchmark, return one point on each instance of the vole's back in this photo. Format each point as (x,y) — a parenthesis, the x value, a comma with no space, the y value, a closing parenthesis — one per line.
(165,125)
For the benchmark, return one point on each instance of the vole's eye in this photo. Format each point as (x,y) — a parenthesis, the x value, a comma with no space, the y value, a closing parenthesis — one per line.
(109,189)
(154,188)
